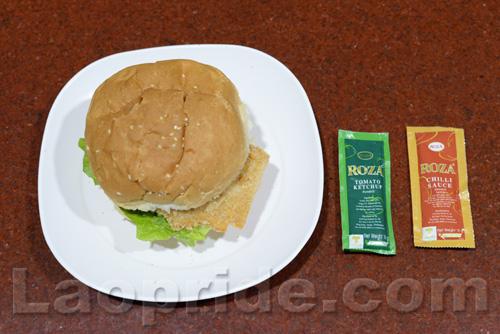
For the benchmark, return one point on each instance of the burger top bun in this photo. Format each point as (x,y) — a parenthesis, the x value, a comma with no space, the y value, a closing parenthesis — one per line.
(173,134)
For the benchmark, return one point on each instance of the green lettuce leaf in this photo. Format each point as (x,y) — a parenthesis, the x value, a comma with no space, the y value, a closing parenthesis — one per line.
(86,165)
(152,226)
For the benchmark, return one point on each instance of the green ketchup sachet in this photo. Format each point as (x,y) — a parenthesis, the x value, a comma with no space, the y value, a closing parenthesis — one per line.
(365,192)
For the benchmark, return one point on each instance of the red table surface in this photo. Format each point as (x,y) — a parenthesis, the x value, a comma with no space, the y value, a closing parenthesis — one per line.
(366,66)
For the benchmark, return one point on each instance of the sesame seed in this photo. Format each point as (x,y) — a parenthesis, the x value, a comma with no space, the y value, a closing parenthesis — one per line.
(169,176)
(96,151)
(174,145)
(197,124)
(152,84)
(183,75)
(175,138)
(129,177)
(195,86)
(177,166)
(159,146)
(171,134)
(163,137)
(177,171)
(119,194)
(161,117)
(109,130)
(150,193)
(182,188)
(186,119)
(140,126)
(132,127)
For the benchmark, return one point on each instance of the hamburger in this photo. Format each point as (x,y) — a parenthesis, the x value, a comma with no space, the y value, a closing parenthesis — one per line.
(168,143)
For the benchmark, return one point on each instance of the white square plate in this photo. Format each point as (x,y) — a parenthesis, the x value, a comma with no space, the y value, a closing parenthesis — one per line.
(98,246)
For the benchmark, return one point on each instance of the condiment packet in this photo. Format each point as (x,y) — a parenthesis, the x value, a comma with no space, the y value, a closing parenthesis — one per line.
(440,197)
(365,192)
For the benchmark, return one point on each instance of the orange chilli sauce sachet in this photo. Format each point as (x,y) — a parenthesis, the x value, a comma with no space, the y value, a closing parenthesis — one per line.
(440,196)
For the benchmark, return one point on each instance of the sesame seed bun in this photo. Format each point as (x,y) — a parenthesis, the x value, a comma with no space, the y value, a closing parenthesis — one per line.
(171,134)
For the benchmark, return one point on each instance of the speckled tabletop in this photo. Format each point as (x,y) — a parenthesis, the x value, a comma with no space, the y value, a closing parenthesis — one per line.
(366,66)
